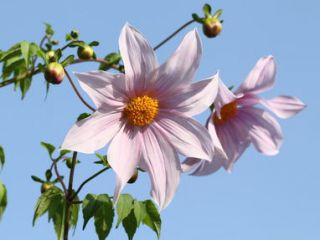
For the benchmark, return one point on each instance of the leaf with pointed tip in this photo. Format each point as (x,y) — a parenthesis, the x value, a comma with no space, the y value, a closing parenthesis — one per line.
(139,211)
(37,179)
(67,61)
(104,215)
(64,152)
(218,13)
(130,225)
(94,44)
(3,199)
(207,10)
(25,85)
(49,147)
(83,116)
(152,218)
(2,157)
(124,207)
(88,208)
(25,50)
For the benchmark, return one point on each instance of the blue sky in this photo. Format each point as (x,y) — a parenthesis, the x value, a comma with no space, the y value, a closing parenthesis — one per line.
(265,198)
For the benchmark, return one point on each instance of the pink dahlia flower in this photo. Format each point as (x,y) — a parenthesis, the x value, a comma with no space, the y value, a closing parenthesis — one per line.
(145,114)
(236,121)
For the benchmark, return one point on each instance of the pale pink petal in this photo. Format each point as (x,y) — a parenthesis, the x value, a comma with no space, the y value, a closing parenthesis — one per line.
(264,130)
(124,155)
(180,68)
(104,88)
(284,106)
(224,97)
(138,58)
(195,98)
(161,161)
(189,137)
(93,133)
(261,77)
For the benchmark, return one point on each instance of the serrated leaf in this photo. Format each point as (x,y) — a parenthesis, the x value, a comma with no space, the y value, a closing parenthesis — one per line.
(44,201)
(37,179)
(152,218)
(49,147)
(88,208)
(2,157)
(130,225)
(25,50)
(67,61)
(104,215)
(124,207)
(139,211)
(3,199)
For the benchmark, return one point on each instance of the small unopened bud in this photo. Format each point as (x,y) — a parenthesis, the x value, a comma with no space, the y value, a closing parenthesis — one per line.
(54,73)
(45,187)
(85,52)
(134,177)
(212,27)
(51,56)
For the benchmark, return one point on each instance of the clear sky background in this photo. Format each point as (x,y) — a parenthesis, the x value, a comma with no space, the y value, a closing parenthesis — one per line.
(265,198)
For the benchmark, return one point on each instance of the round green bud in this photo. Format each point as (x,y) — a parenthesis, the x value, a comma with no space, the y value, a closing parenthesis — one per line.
(54,73)
(85,52)
(212,27)
(51,56)
(134,177)
(46,186)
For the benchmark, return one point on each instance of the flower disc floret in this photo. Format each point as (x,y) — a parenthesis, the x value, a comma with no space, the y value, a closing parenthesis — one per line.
(141,111)
(227,112)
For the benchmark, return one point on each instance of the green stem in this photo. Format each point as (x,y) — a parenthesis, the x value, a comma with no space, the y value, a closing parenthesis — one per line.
(69,198)
(173,34)
(77,92)
(88,180)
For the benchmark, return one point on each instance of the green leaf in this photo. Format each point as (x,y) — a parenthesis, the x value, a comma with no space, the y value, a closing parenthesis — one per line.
(83,116)
(2,156)
(12,52)
(218,13)
(44,201)
(49,30)
(207,10)
(104,216)
(50,148)
(94,43)
(124,207)
(48,174)
(67,61)
(139,211)
(25,50)
(37,179)
(74,214)
(197,18)
(112,58)
(25,86)
(130,225)
(88,208)
(3,199)
(77,44)
(101,208)
(152,218)
(103,160)
(64,152)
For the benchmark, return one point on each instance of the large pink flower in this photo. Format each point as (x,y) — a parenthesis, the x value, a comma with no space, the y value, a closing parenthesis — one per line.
(237,122)
(146,113)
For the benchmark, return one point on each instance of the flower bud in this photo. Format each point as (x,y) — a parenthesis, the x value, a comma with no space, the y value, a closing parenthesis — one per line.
(212,27)
(45,187)
(85,52)
(51,56)
(54,73)
(134,177)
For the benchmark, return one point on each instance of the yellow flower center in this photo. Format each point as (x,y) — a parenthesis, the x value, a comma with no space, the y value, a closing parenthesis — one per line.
(141,111)
(227,112)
